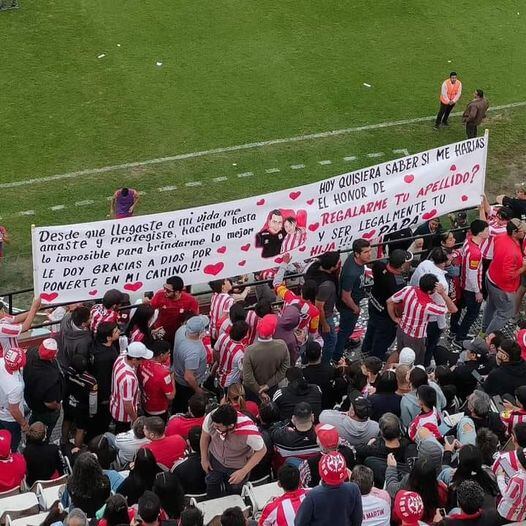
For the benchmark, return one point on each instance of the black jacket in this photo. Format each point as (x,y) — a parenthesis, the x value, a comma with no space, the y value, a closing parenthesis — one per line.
(42,460)
(505,378)
(191,475)
(102,361)
(71,341)
(483,518)
(287,397)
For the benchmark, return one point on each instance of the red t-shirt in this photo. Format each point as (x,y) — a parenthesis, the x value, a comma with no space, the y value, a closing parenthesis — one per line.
(181,425)
(171,312)
(507,260)
(168,449)
(12,471)
(156,383)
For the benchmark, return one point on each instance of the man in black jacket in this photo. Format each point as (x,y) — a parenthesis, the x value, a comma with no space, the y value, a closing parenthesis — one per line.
(510,372)
(75,336)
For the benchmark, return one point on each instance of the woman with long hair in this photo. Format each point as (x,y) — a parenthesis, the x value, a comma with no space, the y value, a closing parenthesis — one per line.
(116,512)
(87,487)
(236,397)
(170,492)
(139,328)
(141,478)
(385,399)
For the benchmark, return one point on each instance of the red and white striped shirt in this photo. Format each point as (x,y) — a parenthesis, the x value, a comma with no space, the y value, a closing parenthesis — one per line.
(511,419)
(512,506)
(124,388)
(431,420)
(510,458)
(252,321)
(496,228)
(9,333)
(309,313)
(219,304)
(282,510)
(230,360)
(471,273)
(291,241)
(418,308)
(99,314)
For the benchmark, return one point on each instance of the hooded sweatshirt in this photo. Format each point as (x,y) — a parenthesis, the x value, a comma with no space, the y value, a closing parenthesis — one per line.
(298,391)
(356,432)
(506,378)
(409,407)
(287,322)
(72,340)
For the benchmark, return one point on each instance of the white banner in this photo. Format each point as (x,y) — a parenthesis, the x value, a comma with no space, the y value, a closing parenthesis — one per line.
(137,254)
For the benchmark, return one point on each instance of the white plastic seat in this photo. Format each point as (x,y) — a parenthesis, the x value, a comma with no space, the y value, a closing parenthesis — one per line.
(60,481)
(48,496)
(260,496)
(32,520)
(18,506)
(216,507)
(10,492)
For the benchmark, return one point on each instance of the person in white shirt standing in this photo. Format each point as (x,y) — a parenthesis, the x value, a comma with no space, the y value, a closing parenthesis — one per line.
(435,265)
(376,503)
(12,394)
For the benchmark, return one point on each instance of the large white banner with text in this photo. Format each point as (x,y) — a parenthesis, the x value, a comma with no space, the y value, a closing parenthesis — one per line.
(82,261)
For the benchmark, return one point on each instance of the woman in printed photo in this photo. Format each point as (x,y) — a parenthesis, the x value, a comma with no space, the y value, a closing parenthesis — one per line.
(295,235)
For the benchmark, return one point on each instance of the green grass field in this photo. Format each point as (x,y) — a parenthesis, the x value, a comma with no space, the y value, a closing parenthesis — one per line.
(234,72)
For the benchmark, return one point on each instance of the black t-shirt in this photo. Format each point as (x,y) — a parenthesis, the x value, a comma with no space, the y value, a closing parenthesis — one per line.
(271,243)
(430,241)
(191,475)
(42,460)
(322,375)
(103,359)
(397,240)
(43,382)
(78,389)
(352,281)
(518,206)
(385,285)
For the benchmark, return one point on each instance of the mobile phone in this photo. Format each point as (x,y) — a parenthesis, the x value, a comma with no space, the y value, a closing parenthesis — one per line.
(442,511)
(506,466)
(450,439)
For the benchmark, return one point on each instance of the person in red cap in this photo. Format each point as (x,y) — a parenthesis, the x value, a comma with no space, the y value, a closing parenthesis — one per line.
(409,508)
(12,394)
(334,502)
(44,384)
(266,361)
(12,465)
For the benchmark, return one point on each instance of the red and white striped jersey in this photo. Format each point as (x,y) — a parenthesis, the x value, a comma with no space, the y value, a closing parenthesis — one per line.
(124,388)
(219,304)
(496,228)
(252,321)
(431,420)
(512,418)
(309,313)
(9,333)
(471,269)
(230,360)
(418,308)
(136,335)
(510,458)
(512,506)
(282,510)
(99,314)
(291,241)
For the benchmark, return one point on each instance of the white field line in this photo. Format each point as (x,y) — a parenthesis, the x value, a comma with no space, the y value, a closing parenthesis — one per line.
(297,166)
(375,154)
(167,188)
(193,183)
(272,170)
(26,213)
(403,151)
(86,202)
(324,163)
(219,179)
(238,147)
(350,158)
(57,207)
(246,174)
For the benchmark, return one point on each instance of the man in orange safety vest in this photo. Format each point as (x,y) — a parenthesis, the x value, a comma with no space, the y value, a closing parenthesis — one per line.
(449,96)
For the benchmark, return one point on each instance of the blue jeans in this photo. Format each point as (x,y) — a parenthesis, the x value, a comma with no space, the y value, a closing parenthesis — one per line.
(347,324)
(329,340)
(472,306)
(380,334)
(16,433)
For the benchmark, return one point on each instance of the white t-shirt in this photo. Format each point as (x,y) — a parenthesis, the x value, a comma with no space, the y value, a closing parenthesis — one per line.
(11,392)
(376,508)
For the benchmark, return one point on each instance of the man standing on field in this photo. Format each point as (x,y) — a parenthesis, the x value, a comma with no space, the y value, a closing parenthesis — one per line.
(449,96)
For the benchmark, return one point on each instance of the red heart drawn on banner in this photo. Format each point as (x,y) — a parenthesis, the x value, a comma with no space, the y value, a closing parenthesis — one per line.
(310,201)
(215,269)
(409,179)
(261,202)
(302,248)
(279,260)
(221,250)
(314,227)
(464,198)
(429,215)
(245,248)
(242,263)
(294,195)
(134,287)
(48,298)
(453,168)
(370,234)
(93,292)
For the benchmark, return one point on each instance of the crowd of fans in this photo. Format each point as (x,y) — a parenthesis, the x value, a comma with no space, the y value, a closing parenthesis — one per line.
(418,422)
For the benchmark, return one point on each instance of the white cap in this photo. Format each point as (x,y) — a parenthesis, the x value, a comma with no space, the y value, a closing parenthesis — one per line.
(139,350)
(407,356)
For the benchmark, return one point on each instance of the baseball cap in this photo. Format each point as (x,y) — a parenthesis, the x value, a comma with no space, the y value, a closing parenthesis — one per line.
(398,257)
(519,225)
(197,324)
(5,443)
(48,349)
(478,346)
(138,350)
(267,325)
(328,436)
(407,356)
(14,359)
(332,468)
(408,507)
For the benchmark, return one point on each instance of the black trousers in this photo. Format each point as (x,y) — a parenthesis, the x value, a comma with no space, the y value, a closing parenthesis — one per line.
(471,130)
(443,113)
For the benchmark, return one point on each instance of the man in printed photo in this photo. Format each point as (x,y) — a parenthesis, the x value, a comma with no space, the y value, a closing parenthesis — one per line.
(271,237)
